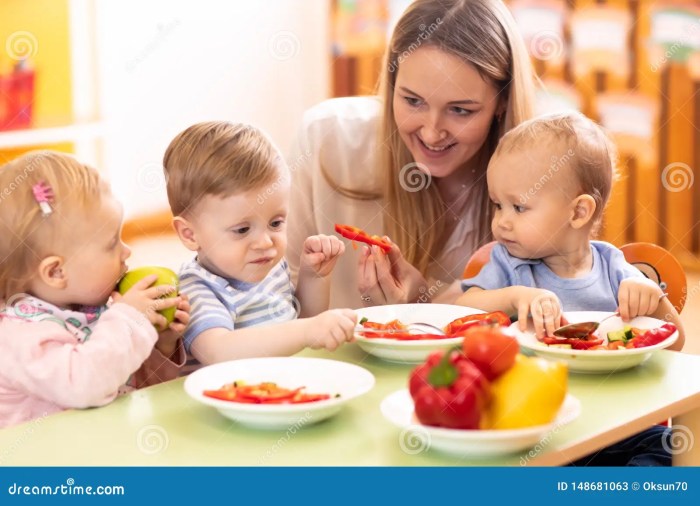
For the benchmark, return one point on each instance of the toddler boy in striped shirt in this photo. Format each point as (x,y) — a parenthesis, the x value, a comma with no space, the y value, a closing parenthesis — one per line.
(228,188)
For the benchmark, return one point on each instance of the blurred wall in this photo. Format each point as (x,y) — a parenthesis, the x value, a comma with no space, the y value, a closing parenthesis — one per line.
(163,65)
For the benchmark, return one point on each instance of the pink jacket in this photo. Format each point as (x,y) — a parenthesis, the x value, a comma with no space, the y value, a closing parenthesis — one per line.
(45,369)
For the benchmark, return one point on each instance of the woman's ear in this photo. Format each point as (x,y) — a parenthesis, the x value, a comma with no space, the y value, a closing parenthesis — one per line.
(51,272)
(185,232)
(584,207)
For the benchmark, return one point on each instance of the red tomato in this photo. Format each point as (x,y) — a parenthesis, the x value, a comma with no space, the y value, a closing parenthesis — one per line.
(492,351)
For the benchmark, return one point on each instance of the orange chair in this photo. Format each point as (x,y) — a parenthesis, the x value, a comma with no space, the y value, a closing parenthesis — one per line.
(653,261)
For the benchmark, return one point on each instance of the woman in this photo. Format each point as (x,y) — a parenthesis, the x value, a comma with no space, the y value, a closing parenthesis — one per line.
(411,163)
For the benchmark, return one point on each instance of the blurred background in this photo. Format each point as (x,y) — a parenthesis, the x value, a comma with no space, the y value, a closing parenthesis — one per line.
(113,82)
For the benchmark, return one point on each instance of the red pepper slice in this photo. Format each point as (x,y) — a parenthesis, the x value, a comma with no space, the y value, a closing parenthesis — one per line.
(359,235)
(458,326)
(263,393)
(653,336)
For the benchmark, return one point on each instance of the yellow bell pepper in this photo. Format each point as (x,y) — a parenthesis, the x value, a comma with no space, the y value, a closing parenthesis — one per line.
(529,393)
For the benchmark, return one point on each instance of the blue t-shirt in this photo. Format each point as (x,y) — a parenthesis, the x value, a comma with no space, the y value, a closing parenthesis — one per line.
(596,291)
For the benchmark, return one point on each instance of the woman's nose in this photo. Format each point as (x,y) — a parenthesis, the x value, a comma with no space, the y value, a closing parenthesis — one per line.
(432,132)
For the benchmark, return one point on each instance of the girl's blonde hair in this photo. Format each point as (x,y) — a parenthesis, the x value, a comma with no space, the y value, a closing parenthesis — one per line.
(217,158)
(27,234)
(484,34)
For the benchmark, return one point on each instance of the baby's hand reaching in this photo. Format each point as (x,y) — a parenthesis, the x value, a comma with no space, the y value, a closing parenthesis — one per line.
(320,254)
(147,300)
(330,329)
(638,297)
(168,339)
(542,306)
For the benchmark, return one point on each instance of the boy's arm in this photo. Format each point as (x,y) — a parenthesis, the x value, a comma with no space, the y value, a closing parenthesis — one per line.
(328,330)
(318,258)
(276,340)
(487,300)
(313,293)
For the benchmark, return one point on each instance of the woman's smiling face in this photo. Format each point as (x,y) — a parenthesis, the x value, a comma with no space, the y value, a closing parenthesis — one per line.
(443,109)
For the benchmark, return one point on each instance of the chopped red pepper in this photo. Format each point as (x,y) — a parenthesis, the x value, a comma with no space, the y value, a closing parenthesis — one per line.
(653,336)
(263,393)
(448,390)
(460,325)
(359,235)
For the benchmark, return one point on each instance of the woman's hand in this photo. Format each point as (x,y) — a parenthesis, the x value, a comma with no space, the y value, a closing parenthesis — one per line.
(387,278)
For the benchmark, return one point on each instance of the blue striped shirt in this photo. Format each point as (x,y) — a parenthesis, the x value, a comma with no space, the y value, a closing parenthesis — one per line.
(218,302)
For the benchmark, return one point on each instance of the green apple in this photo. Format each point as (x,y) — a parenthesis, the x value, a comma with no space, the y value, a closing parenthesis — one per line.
(165,277)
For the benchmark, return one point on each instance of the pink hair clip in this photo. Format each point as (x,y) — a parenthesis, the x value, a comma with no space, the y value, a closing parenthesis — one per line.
(43,194)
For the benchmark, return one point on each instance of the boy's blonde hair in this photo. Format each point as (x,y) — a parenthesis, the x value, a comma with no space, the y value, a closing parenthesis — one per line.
(217,158)
(27,235)
(586,150)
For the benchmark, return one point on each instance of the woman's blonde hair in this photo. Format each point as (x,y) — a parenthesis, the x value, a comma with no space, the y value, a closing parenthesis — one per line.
(484,34)
(28,235)
(217,158)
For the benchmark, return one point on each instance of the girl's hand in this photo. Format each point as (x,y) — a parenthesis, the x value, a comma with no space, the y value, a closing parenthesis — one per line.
(147,300)
(542,306)
(168,339)
(387,278)
(320,254)
(638,297)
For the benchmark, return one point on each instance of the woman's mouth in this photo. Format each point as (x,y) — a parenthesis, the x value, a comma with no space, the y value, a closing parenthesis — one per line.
(434,151)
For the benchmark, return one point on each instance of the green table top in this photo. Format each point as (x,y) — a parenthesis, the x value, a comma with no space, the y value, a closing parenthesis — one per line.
(161,425)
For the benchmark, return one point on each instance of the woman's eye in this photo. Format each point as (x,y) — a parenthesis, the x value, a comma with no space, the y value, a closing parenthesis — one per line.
(461,111)
(412,101)
(497,206)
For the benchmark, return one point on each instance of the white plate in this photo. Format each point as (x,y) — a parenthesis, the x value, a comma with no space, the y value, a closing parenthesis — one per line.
(597,361)
(410,352)
(318,375)
(416,437)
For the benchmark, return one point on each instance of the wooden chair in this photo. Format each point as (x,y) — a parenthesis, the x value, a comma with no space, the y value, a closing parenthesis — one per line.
(655,262)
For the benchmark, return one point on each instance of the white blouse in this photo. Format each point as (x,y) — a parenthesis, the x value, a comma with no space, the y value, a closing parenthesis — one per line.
(341,135)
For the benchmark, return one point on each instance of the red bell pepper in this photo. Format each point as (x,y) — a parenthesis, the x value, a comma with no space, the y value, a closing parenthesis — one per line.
(359,235)
(653,336)
(448,390)
(458,326)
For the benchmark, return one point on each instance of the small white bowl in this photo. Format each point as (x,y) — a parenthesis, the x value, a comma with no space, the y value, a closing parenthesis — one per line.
(597,361)
(319,376)
(411,352)
(398,409)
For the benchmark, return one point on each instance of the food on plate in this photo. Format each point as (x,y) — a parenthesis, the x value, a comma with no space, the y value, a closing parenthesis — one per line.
(395,329)
(487,384)
(165,277)
(529,393)
(263,393)
(626,338)
(359,235)
(448,390)
(460,325)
